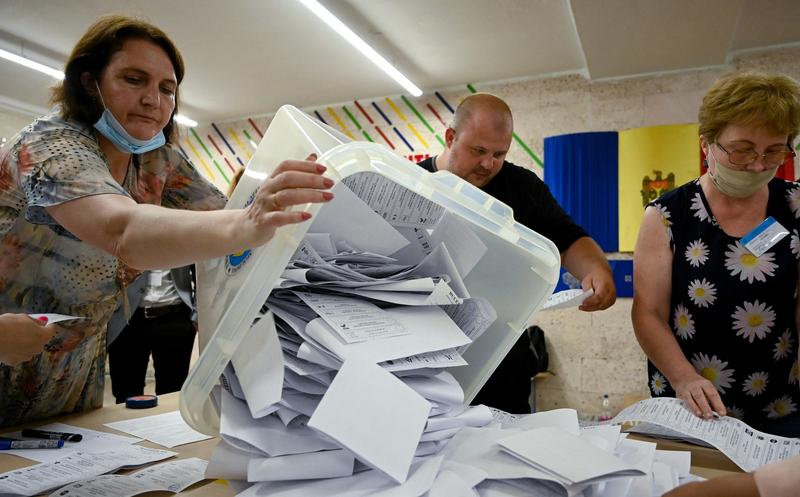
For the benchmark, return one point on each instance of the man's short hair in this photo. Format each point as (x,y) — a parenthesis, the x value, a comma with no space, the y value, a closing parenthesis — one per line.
(467,108)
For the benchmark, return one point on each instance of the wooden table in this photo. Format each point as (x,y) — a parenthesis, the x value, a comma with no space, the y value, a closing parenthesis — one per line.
(95,419)
(706,462)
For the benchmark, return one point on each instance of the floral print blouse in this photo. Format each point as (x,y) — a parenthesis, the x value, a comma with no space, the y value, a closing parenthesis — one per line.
(46,269)
(732,312)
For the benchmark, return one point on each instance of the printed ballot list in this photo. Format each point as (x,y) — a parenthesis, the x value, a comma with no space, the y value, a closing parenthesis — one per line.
(354,320)
(39,478)
(746,447)
(395,203)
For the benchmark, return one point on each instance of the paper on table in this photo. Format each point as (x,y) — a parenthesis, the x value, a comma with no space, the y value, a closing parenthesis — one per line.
(369,483)
(168,429)
(607,437)
(567,298)
(309,466)
(92,441)
(479,415)
(746,447)
(664,479)
(352,219)
(566,419)
(456,480)
(268,434)
(505,418)
(658,431)
(479,447)
(228,462)
(679,460)
(639,454)
(258,362)
(354,320)
(76,466)
(429,329)
(173,476)
(365,400)
(566,456)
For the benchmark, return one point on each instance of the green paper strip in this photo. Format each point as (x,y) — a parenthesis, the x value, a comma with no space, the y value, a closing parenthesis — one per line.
(415,111)
(352,117)
(366,135)
(201,143)
(221,171)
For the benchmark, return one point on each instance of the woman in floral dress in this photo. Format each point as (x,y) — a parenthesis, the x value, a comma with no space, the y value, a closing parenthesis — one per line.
(93,193)
(715,315)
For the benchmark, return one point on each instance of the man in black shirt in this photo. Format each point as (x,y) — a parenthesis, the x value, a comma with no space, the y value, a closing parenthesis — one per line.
(476,145)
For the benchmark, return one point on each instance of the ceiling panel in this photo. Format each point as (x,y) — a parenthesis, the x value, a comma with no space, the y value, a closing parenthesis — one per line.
(248,57)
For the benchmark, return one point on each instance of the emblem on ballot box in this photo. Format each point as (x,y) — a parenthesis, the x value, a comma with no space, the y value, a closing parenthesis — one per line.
(234,262)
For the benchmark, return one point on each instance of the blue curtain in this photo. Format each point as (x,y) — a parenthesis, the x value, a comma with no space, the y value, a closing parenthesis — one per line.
(581,171)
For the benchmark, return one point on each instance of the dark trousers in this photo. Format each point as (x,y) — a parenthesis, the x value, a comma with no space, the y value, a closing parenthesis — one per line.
(509,387)
(168,336)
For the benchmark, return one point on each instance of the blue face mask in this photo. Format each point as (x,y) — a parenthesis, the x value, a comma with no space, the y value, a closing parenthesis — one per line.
(112,129)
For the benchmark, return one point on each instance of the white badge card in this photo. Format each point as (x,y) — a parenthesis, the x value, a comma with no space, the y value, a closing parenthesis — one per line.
(764,236)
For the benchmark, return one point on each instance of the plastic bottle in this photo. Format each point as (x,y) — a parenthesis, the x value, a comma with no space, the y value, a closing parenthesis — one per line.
(605,412)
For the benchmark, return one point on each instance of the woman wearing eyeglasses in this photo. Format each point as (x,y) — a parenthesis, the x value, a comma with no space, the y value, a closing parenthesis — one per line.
(715,305)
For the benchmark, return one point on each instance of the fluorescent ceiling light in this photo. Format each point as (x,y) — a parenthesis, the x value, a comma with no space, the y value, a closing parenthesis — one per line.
(181,119)
(352,38)
(55,73)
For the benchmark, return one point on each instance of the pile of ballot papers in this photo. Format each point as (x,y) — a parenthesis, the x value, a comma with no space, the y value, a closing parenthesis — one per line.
(341,386)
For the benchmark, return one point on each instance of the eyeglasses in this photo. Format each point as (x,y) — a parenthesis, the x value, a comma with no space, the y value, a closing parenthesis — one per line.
(745,157)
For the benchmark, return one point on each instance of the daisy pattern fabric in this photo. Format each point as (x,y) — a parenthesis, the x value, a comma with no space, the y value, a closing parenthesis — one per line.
(44,268)
(732,312)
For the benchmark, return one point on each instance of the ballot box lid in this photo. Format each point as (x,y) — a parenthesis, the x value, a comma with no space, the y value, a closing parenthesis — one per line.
(516,275)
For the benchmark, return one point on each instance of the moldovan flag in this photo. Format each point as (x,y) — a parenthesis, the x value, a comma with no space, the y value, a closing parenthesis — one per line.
(652,161)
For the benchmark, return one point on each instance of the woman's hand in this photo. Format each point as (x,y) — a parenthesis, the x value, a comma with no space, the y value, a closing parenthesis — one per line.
(699,395)
(294,182)
(22,337)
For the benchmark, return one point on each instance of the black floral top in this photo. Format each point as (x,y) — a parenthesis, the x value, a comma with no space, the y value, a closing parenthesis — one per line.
(731,311)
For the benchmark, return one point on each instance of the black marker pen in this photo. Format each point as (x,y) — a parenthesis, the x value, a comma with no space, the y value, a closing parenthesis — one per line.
(52,435)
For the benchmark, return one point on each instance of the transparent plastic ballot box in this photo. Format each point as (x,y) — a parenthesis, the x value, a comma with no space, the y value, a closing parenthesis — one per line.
(516,275)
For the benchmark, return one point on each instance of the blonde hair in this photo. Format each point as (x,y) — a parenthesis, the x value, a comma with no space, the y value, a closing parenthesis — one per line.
(751,99)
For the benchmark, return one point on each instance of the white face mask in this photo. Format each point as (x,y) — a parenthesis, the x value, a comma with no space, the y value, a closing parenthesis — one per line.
(738,184)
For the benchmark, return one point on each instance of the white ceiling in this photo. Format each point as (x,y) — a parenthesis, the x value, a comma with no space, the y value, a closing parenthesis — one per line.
(248,57)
